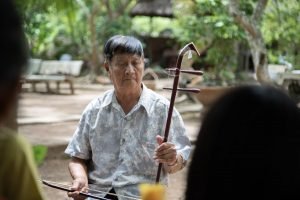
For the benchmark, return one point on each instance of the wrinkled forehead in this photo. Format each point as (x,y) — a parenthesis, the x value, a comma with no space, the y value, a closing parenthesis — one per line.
(127,57)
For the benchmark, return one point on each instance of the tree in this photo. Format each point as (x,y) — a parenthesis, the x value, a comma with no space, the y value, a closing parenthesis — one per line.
(252,27)
(208,24)
(281,30)
(110,12)
(44,21)
(78,27)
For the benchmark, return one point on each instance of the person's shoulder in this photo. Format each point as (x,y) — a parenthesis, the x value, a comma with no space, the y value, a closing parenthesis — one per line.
(17,154)
(13,142)
(9,137)
(99,101)
(156,98)
(160,102)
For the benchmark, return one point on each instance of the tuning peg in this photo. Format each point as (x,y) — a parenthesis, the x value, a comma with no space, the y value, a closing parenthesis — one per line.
(194,90)
(194,72)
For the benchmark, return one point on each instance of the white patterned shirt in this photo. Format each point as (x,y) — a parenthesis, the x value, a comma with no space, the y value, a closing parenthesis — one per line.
(119,146)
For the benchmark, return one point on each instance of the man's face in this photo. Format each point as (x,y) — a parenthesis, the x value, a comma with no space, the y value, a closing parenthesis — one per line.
(126,72)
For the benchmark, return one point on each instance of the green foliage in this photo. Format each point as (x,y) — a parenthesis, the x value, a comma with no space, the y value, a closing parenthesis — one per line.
(106,27)
(281,30)
(39,152)
(208,24)
(155,26)
(44,21)
(206,20)
(62,26)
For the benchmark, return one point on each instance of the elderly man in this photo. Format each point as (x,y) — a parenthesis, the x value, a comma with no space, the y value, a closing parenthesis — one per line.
(118,142)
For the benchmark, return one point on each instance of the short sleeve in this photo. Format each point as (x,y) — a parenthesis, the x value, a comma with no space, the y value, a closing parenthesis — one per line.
(79,146)
(179,137)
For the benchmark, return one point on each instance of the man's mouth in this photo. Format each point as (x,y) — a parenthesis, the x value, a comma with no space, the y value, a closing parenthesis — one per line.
(128,79)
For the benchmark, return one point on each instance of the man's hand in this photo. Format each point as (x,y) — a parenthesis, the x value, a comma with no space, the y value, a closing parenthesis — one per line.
(78,171)
(165,152)
(79,185)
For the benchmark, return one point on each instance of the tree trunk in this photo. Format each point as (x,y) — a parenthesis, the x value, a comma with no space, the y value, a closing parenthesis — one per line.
(260,59)
(254,37)
(113,14)
(95,61)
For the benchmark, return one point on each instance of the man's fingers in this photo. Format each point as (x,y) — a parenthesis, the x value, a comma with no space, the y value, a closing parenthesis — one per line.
(168,156)
(78,186)
(75,186)
(73,194)
(159,139)
(76,195)
(167,161)
(166,152)
(165,156)
(164,146)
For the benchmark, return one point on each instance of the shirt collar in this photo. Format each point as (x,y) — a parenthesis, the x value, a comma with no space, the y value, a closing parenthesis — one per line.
(143,101)
(108,98)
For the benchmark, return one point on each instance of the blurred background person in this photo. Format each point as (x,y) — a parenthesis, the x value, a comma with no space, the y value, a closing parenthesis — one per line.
(18,174)
(248,147)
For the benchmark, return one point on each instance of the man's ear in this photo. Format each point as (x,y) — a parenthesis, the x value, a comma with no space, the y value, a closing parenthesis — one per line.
(106,65)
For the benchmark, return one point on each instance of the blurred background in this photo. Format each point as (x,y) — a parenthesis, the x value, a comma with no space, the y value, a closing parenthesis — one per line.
(79,28)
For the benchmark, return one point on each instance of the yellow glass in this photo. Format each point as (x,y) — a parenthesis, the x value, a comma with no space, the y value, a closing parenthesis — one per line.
(152,191)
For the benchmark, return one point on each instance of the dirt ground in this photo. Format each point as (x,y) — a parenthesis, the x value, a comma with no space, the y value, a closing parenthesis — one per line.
(51,119)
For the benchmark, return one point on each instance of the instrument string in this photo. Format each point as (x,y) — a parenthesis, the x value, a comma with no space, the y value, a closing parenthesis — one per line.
(95,191)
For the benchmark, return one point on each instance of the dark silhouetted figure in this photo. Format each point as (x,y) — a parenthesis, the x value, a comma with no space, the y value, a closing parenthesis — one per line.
(18,174)
(248,148)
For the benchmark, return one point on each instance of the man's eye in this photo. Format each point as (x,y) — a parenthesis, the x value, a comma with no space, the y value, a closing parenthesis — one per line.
(121,64)
(136,63)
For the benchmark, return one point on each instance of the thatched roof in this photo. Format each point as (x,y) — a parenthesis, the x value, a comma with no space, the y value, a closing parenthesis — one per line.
(152,8)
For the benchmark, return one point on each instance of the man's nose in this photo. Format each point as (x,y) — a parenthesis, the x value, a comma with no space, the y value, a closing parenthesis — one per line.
(129,68)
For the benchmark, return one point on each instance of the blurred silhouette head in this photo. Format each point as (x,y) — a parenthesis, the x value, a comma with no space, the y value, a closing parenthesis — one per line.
(248,147)
(13,55)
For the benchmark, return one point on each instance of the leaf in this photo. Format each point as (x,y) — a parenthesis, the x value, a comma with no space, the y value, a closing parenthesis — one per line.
(219,24)
(39,152)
